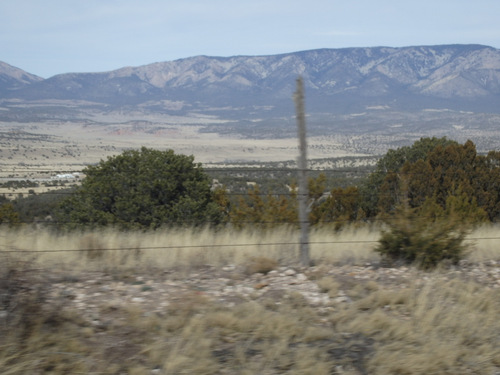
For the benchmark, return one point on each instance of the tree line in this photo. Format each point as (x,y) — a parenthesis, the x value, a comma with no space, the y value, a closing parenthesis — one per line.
(150,188)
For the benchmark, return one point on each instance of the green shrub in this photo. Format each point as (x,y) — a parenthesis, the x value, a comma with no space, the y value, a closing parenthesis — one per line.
(142,189)
(423,239)
(8,214)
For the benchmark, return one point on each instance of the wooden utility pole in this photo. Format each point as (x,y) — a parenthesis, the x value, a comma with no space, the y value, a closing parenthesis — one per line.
(302,175)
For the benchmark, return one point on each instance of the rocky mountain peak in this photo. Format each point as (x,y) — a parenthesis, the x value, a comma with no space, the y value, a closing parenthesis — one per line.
(365,76)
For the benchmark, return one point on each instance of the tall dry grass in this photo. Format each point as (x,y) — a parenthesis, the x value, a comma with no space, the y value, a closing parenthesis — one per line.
(101,250)
(190,247)
(484,243)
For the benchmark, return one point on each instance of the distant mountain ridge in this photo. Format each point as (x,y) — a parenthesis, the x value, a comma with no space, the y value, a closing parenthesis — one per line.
(12,78)
(341,80)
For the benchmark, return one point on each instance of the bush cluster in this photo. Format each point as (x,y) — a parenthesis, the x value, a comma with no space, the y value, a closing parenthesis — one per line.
(434,178)
(426,241)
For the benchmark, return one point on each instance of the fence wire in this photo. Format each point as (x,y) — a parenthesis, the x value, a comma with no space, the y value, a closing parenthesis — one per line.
(229,194)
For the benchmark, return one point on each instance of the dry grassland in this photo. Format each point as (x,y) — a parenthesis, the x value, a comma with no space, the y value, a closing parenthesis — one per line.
(444,322)
(174,248)
(41,150)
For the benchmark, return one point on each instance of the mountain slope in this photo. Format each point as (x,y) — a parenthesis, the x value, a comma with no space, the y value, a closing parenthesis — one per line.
(12,78)
(339,80)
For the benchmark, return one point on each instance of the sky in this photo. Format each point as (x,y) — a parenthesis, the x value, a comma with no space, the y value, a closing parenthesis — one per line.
(49,37)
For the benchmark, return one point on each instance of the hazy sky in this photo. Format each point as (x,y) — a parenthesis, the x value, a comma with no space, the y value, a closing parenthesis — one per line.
(48,37)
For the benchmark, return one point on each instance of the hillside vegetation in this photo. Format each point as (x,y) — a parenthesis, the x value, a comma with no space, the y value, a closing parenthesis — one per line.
(405,272)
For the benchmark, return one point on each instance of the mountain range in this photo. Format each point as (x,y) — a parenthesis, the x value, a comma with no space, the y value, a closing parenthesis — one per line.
(260,88)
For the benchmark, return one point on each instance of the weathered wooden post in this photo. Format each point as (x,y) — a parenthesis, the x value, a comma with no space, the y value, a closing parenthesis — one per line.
(302,174)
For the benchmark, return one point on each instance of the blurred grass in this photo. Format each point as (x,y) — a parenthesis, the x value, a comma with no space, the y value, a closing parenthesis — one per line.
(104,250)
(430,325)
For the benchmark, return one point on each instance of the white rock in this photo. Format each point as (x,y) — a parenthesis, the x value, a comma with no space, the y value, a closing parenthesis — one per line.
(342,299)
(318,300)
(301,277)
(290,272)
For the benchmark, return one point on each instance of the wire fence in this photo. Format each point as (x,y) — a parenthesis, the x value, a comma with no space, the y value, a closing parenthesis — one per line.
(238,170)
(6,249)
(172,247)
(290,194)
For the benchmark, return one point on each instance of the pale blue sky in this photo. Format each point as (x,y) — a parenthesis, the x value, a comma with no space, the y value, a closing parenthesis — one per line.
(48,37)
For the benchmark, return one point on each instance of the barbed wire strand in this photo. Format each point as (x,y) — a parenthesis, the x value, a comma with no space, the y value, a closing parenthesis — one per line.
(172,247)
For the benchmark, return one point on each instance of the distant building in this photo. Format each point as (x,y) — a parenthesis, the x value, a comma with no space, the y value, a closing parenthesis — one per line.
(66,176)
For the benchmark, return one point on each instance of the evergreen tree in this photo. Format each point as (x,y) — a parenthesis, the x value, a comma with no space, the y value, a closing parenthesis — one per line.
(140,190)
(380,193)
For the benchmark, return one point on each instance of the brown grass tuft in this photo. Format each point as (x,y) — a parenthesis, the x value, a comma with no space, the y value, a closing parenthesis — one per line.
(260,265)
(329,285)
